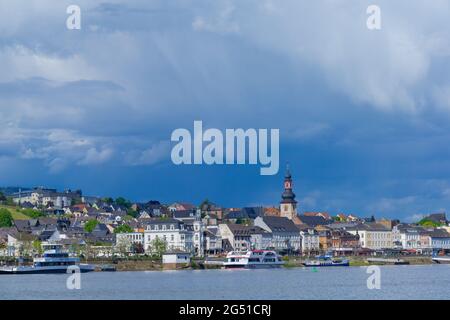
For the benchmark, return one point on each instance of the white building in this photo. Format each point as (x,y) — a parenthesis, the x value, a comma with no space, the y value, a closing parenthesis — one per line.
(440,239)
(126,240)
(212,240)
(176,258)
(44,197)
(410,237)
(173,232)
(373,236)
(310,241)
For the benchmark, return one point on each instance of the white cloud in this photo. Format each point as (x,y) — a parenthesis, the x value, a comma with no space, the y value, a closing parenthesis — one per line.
(156,153)
(20,62)
(93,156)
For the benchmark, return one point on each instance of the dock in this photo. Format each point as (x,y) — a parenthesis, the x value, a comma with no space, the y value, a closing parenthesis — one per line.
(387,261)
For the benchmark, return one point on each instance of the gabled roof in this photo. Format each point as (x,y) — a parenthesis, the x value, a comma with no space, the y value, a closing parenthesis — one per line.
(439,233)
(242,230)
(280,224)
(314,220)
(369,227)
(180,214)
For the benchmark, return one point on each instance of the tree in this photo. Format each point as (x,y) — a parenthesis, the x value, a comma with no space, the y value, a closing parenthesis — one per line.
(120,201)
(124,246)
(124,228)
(90,225)
(132,213)
(158,247)
(108,200)
(137,247)
(37,246)
(2,197)
(6,219)
(425,222)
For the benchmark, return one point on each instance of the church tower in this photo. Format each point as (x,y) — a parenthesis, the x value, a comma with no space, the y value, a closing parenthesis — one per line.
(288,205)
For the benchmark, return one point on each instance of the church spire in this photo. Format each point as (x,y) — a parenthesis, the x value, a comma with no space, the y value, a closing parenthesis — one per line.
(288,204)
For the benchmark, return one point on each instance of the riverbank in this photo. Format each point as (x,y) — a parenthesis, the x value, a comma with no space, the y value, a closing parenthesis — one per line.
(292,262)
(198,264)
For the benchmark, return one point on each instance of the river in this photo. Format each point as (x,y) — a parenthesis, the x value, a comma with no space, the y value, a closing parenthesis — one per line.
(397,282)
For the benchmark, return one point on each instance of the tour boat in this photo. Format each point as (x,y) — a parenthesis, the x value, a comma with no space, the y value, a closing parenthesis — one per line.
(326,261)
(254,259)
(53,260)
(445,258)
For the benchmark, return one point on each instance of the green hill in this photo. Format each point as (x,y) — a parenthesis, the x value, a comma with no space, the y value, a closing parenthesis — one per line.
(17,215)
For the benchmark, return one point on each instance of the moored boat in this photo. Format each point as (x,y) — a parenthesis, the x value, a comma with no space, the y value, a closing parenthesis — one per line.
(253,259)
(53,260)
(441,259)
(326,261)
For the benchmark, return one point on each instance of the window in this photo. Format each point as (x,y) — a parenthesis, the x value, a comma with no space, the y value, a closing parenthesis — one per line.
(172,237)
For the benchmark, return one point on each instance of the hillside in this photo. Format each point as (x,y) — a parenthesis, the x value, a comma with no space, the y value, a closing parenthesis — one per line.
(17,215)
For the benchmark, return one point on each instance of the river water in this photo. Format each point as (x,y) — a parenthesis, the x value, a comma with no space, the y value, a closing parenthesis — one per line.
(397,282)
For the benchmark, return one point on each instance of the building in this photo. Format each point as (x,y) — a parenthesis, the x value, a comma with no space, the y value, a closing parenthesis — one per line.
(325,242)
(373,236)
(410,237)
(440,239)
(172,231)
(439,218)
(173,260)
(343,242)
(288,204)
(285,234)
(237,235)
(314,220)
(46,197)
(212,240)
(310,240)
(324,215)
(128,241)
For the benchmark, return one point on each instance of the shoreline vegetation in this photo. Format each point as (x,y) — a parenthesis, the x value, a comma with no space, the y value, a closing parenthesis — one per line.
(293,262)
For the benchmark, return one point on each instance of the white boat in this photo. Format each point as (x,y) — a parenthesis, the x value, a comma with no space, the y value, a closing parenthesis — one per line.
(441,259)
(53,260)
(253,259)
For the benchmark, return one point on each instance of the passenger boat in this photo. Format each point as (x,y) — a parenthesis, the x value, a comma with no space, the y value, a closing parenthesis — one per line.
(327,261)
(440,258)
(253,259)
(53,260)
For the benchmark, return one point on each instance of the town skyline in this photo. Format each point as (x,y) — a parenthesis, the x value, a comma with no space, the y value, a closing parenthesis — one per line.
(299,209)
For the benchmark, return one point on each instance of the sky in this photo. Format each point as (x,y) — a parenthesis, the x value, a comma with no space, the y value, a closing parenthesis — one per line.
(363,114)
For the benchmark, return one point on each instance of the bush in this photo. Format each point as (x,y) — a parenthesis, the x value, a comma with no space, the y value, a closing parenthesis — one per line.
(32,213)
(425,222)
(6,219)
(124,228)
(90,225)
